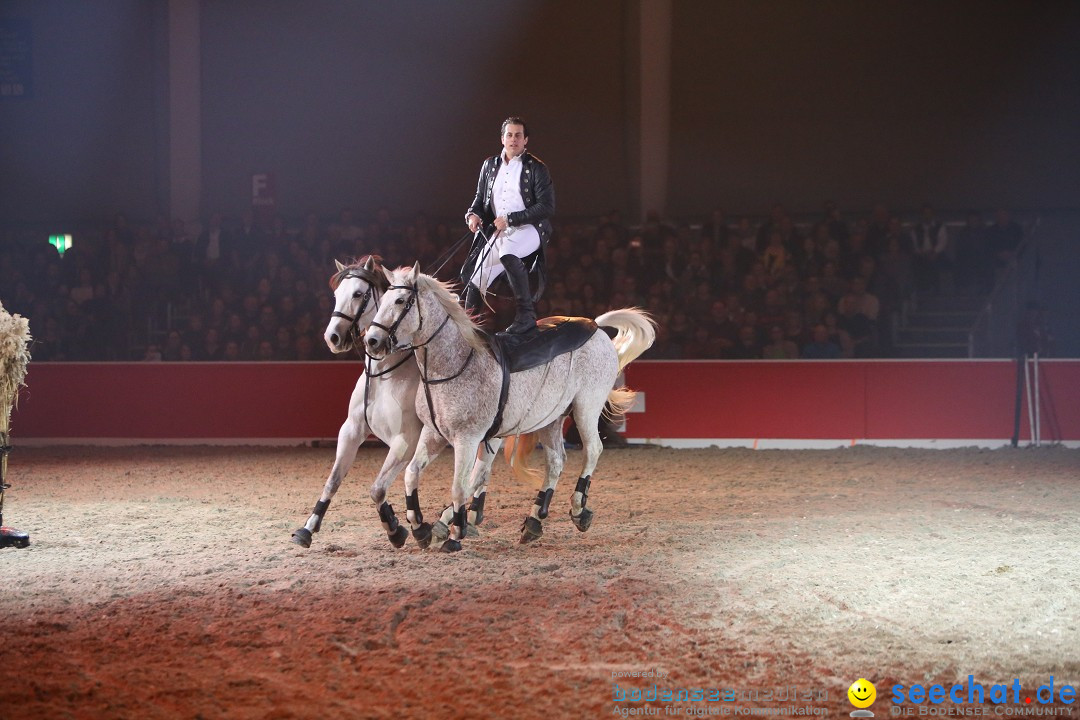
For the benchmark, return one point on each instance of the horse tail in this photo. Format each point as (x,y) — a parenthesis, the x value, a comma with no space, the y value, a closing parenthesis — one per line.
(619,401)
(517,449)
(635,332)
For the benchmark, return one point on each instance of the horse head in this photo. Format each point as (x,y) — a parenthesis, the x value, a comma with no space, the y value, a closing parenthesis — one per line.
(398,319)
(357,289)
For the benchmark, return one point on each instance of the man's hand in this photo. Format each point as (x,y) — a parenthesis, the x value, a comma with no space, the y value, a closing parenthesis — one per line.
(501,224)
(474,222)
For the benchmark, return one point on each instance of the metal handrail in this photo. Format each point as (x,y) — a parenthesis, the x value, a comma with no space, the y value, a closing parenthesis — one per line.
(1006,294)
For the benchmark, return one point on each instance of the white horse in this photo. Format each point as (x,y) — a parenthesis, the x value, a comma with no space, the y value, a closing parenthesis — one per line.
(383,402)
(462,384)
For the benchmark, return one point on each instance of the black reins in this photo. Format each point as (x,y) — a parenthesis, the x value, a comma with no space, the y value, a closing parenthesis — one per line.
(391,337)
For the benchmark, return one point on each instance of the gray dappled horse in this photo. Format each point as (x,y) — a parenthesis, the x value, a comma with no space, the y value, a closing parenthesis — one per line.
(383,403)
(462,382)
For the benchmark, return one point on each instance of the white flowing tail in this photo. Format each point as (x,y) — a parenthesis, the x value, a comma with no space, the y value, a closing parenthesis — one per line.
(635,333)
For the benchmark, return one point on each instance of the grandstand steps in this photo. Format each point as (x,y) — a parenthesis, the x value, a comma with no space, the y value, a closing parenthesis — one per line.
(937,326)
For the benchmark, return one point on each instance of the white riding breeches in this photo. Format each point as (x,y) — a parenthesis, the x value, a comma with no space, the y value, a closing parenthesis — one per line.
(522,241)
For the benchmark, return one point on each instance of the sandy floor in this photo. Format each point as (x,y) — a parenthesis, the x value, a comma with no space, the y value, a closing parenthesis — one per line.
(161,583)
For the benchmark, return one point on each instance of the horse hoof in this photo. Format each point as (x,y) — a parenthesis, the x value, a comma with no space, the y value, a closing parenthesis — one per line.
(302,537)
(471,531)
(531,530)
(422,535)
(399,536)
(583,521)
(440,530)
(450,546)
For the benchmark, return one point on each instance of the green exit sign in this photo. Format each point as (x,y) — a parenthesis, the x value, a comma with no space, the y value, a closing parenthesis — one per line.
(62,243)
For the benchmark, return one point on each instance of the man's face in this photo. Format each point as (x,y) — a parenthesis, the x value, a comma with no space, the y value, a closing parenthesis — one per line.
(514,140)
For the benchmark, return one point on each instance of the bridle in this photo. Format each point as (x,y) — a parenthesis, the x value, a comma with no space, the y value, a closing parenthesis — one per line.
(373,281)
(391,337)
(391,330)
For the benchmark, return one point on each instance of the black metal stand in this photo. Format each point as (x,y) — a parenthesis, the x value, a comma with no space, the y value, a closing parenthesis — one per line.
(9,537)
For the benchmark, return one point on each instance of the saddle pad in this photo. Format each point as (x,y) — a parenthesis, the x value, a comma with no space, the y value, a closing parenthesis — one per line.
(557,335)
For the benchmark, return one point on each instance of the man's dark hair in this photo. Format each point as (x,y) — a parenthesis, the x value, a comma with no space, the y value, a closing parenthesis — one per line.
(514,120)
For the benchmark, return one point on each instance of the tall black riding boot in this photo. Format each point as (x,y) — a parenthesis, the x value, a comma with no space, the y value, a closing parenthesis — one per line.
(518,277)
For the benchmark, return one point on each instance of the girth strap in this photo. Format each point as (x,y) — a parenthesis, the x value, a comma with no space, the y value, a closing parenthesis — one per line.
(504,392)
(428,383)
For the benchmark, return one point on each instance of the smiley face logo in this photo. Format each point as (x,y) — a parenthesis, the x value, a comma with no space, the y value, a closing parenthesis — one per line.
(862,693)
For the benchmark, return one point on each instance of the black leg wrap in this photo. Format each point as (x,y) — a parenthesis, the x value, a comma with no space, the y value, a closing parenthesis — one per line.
(412,502)
(477,506)
(386,515)
(583,521)
(583,488)
(461,519)
(397,534)
(543,499)
(320,510)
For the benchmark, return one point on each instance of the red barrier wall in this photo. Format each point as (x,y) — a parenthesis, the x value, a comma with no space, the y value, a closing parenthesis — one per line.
(854,400)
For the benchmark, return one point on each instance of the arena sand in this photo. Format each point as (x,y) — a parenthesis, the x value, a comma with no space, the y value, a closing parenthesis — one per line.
(161,583)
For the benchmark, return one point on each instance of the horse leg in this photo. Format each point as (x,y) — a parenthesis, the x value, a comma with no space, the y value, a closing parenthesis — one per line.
(396,459)
(427,449)
(464,461)
(555,455)
(481,475)
(350,436)
(587,421)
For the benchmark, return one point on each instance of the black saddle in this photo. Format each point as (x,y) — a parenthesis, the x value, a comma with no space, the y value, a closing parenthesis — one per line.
(553,337)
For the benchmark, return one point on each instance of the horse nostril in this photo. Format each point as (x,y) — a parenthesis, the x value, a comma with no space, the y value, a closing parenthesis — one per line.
(372,342)
(335,339)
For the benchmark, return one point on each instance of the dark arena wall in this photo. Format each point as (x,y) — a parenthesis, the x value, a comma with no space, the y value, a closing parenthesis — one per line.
(770,102)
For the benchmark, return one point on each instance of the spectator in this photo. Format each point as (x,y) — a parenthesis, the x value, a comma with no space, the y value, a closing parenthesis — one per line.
(232,351)
(861,301)
(173,343)
(779,347)
(821,347)
(860,328)
(747,348)
(930,243)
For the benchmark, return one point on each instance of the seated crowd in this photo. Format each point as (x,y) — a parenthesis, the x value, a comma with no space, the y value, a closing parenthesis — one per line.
(255,289)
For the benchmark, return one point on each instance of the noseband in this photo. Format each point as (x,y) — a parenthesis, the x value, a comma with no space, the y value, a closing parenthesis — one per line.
(391,331)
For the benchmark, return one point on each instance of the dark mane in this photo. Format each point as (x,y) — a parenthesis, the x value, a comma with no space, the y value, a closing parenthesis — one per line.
(356,267)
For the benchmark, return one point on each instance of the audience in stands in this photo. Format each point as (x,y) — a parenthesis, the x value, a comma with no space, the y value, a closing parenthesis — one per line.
(256,288)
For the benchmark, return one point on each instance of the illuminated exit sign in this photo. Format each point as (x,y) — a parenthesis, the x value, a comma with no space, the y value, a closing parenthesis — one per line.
(62,243)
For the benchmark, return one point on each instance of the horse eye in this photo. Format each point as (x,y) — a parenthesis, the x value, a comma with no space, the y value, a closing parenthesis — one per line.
(357,294)
(399,301)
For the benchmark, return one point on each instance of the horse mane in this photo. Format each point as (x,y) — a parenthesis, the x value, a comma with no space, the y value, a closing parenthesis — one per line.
(449,302)
(356,267)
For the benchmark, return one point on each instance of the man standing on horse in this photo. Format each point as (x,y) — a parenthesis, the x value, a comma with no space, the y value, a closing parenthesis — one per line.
(514,201)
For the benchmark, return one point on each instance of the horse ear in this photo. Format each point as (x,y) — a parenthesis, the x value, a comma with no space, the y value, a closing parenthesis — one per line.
(415,272)
(338,265)
(370,264)
(389,275)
